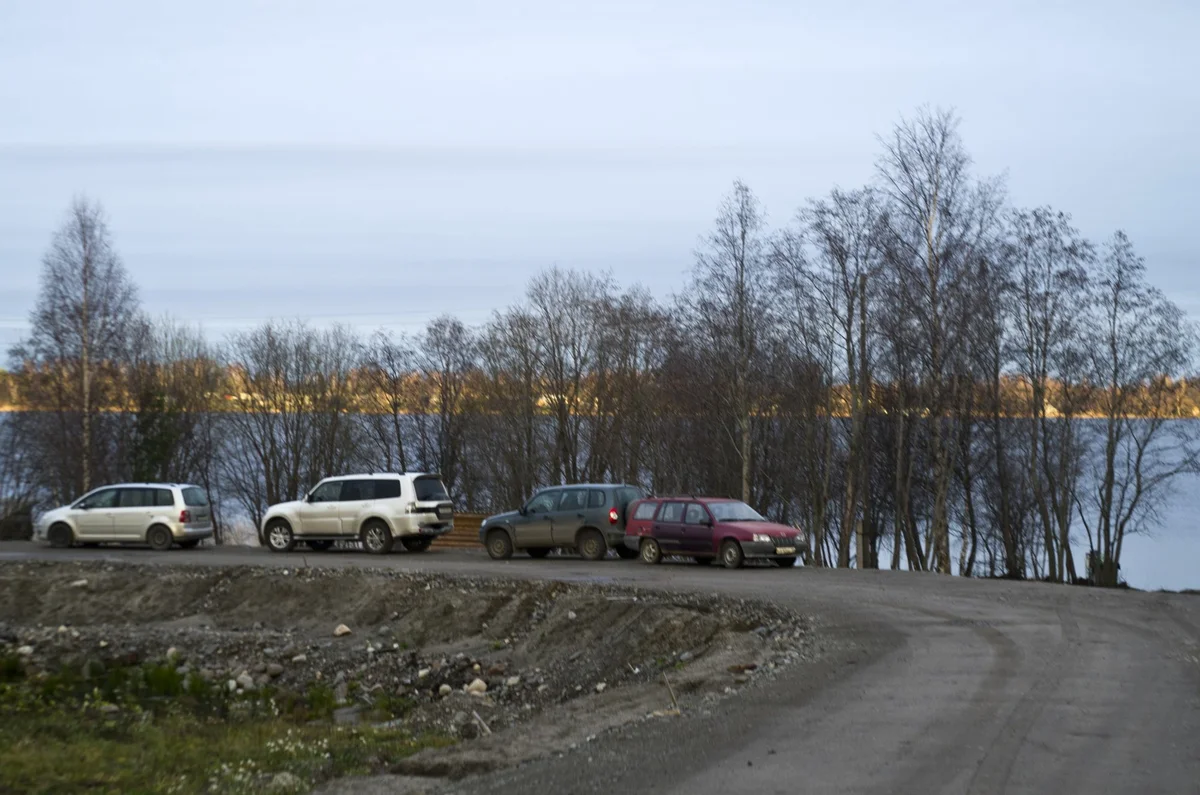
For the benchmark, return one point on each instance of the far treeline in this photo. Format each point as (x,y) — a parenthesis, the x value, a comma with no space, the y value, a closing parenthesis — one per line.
(914,372)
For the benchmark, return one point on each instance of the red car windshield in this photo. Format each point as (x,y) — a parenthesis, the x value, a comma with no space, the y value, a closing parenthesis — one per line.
(734,512)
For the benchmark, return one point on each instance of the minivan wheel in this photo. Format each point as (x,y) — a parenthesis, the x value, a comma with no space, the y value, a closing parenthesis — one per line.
(377,538)
(60,536)
(416,543)
(499,545)
(279,536)
(159,538)
(651,552)
(625,553)
(731,555)
(591,545)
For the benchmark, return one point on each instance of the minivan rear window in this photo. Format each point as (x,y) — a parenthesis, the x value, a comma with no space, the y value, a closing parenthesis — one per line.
(429,489)
(194,497)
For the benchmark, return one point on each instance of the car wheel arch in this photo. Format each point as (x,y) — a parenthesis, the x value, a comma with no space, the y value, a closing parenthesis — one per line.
(508,531)
(586,528)
(372,517)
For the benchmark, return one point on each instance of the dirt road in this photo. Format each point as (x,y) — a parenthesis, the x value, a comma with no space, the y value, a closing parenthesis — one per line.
(937,685)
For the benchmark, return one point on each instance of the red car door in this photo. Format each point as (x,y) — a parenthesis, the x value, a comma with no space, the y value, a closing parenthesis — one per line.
(668,528)
(697,530)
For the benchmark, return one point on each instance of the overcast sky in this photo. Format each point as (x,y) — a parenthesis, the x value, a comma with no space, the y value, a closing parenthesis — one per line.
(383,162)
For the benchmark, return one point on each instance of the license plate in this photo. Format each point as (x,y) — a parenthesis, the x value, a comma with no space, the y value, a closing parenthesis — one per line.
(785,550)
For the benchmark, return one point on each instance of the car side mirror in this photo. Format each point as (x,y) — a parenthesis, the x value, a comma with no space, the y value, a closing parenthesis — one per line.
(523,510)
(707,522)
(83,506)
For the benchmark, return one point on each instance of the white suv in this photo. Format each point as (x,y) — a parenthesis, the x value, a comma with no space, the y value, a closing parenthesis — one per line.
(158,514)
(376,509)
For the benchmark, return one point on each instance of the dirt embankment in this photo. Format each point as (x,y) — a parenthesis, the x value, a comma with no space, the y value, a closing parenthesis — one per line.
(467,657)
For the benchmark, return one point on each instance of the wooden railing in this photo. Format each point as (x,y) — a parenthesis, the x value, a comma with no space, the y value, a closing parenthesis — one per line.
(465,534)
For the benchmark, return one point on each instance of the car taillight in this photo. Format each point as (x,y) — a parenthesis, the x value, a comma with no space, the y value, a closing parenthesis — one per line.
(185,517)
(613,516)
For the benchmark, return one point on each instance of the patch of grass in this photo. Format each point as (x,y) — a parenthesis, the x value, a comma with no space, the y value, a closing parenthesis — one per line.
(142,729)
(11,668)
(321,700)
(59,753)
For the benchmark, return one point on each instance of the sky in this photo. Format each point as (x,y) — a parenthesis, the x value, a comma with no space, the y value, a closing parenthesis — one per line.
(379,163)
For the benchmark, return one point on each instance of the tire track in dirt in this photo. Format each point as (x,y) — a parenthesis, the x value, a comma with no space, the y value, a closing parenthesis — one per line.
(995,769)
(965,728)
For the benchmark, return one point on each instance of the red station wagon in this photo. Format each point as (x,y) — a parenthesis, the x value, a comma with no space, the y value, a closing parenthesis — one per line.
(707,528)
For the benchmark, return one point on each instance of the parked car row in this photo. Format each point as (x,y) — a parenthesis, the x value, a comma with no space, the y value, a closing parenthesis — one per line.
(593,518)
(380,509)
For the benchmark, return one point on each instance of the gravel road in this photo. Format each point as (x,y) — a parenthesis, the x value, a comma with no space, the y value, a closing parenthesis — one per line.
(932,685)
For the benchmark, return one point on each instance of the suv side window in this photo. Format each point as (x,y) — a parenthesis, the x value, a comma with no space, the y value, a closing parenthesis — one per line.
(357,490)
(544,502)
(645,510)
(695,514)
(671,512)
(327,492)
(106,498)
(597,498)
(163,498)
(573,500)
(388,489)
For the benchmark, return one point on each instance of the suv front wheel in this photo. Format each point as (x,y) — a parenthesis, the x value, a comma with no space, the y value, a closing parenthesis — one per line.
(279,536)
(499,545)
(377,537)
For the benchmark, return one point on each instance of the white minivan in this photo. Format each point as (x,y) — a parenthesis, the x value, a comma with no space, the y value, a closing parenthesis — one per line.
(375,509)
(158,514)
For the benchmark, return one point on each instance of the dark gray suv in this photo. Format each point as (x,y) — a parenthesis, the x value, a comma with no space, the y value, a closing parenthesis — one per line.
(587,517)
